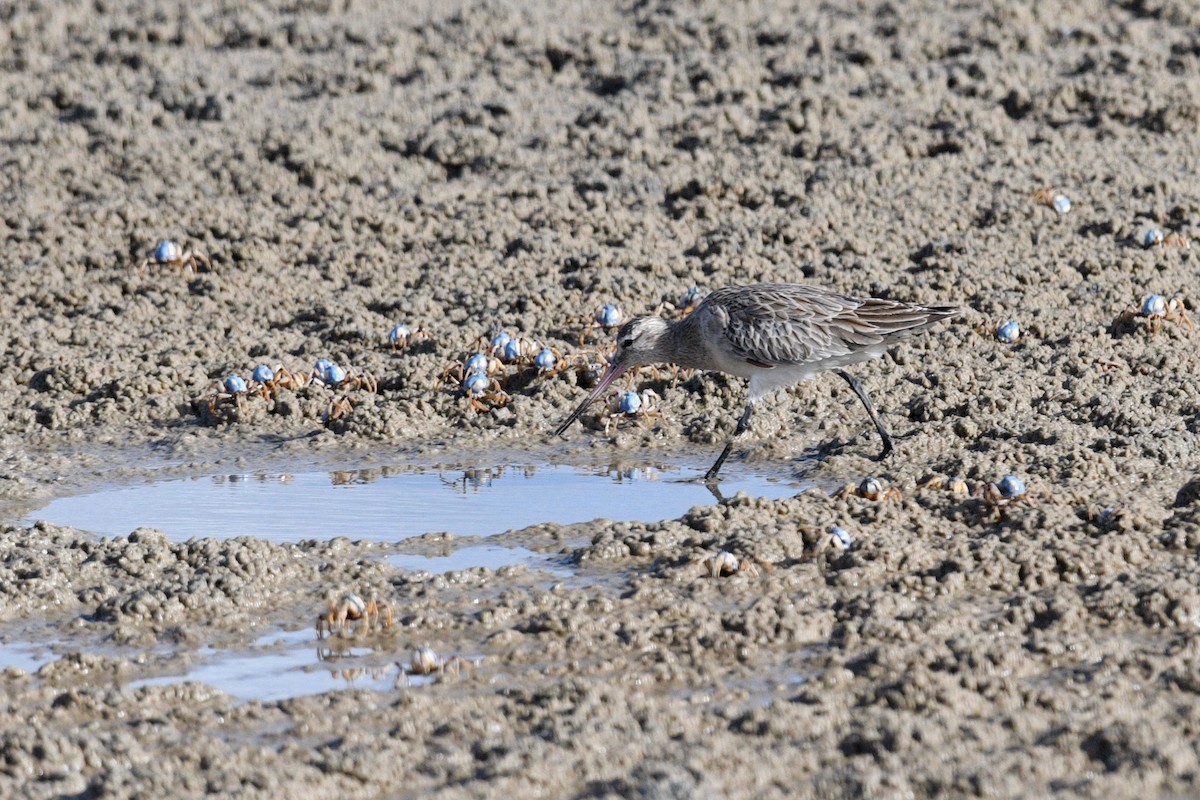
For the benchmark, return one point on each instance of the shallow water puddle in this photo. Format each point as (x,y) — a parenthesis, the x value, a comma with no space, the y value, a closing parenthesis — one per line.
(25,655)
(388,505)
(278,665)
(490,556)
(284,664)
(384,505)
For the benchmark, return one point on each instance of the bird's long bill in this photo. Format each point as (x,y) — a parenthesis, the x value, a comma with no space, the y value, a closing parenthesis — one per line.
(611,374)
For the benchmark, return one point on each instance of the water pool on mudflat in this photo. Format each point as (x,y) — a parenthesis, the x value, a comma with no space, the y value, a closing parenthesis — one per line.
(392,504)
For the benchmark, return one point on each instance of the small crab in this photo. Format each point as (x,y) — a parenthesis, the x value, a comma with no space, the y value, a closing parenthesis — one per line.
(953,485)
(690,300)
(687,303)
(477,363)
(496,344)
(1009,332)
(330,374)
(401,336)
(1046,196)
(339,408)
(484,393)
(286,379)
(352,608)
(262,382)
(585,364)
(1005,332)
(870,489)
(839,539)
(630,404)
(725,563)
(426,661)
(1008,491)
(228,398)
(546,359)
(264,376)
(1109,517)
(1157,309)
(267,382)
(519,350)
(171,253)
(1155,237)
(605,319)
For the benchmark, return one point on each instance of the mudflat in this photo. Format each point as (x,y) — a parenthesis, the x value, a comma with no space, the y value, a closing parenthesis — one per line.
(334,169)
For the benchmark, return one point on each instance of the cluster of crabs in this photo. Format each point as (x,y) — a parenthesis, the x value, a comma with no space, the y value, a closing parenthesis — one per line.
(496,363)
(997,497)
(483,376)
(349,616)
(227,400)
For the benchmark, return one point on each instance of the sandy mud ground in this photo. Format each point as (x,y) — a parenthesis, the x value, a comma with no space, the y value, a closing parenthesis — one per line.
(505,165)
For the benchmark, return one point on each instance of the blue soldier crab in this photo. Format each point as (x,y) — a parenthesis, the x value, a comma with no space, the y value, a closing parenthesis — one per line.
(1009,332)
(870,489)
(496,344)
(546,360)
(262,379)
(171,253)
(426,661)
(519,350)
(1004,332)
(268,382)
(1155,237)
(586,365)
(632,405)
(330,374)
(605,319)
(1006,492)
(687,303)
(839,538)
(477,363)
(484,393)
(228,398)
(1157,309)
(401,336)
(1046,196)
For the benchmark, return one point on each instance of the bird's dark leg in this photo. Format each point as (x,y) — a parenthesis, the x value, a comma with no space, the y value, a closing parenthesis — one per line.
(862,395)
(742,425)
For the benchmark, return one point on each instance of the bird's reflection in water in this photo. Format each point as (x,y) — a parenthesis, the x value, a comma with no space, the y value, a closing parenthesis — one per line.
(476,478)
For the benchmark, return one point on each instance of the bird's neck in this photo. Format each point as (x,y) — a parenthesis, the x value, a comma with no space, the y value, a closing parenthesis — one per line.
(678,344)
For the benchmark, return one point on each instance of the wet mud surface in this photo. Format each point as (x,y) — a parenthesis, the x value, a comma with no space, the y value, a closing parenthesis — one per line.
(493,166)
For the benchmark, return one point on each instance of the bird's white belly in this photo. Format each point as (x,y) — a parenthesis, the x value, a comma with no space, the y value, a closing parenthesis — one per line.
(763,381)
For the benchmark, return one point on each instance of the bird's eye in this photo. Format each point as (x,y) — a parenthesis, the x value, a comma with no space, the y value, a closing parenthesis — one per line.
(627,342)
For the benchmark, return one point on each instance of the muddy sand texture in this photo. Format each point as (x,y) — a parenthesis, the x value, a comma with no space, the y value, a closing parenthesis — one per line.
(504,165)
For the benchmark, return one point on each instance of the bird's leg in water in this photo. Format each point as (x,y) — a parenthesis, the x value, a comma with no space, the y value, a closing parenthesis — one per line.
(743,424)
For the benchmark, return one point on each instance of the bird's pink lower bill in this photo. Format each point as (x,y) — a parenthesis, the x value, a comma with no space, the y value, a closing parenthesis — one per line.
(611,374)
